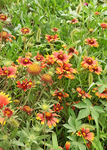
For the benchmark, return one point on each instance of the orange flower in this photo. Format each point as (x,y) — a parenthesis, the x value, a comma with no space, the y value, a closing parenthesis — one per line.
(6,36)
(49,60)
(65,70)
(25,30)
(24,61)
(101,95)
(92,42)
(82,93)
(4,99)
(87,135)
(48,117)
(67,145)
(103,25)
(7,112)
(25,84)
(96,69)
(27,109)
(34,69)
(51,38)
(47,78)
(3,17)
(88,62)
(10,72)
(60,94)
(97,13)
(39,57)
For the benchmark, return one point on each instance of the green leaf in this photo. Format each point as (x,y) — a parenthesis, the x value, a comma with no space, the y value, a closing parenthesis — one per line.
(54,139)
(83,113)
(99,109)
(90,79)
(80,105)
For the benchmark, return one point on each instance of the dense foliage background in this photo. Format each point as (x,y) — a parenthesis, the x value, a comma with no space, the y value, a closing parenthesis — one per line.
(53,64)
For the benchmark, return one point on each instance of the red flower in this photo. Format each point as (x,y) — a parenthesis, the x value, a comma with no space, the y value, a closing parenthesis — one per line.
(72,51)
(89,117)
(88,62)
(61,56)
(39,57)
(57,107)
(25,30)
(6,36)
(27,109)
(96,69)
(82,93)
(48,117)
(4,99)
(3,17)
(51,38)
(24,61)
(73,21)
(60,94)
(10,72)
(87,135)
(49,60)
(25,85)
(92,42)
(55,29)
(67,145)
(103,25)
(7,112)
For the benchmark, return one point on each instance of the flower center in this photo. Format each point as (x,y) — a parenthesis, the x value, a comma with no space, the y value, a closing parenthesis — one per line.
(89,61)
(59,94)
(61,56)
(71,50)
(25,61)
(66,68)
(91,42)
(48,115)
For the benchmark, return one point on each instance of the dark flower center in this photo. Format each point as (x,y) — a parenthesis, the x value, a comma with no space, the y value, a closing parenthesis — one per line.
(61,56)
(89,61)
(48,115)
(91,41)
(71,50)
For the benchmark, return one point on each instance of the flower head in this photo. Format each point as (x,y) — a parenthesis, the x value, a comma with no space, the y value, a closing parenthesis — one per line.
(4,99)
(27,109)
(2,121)
(24,61)
(39,57)
(10,72)
(55,29)
(72,51)
(103,25)
(97,13)
(7,112)
(67,145)
(61,56)
(57,107)
(87,135)
(51,38)
(25,84)
(88,62)
(60,94)
(25,30)
(6,36)
(102,94)
(3,17)
(47,78)
(82,93)
(48,117)
(65,70)
(96,69)
(34,69)
(92,42)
